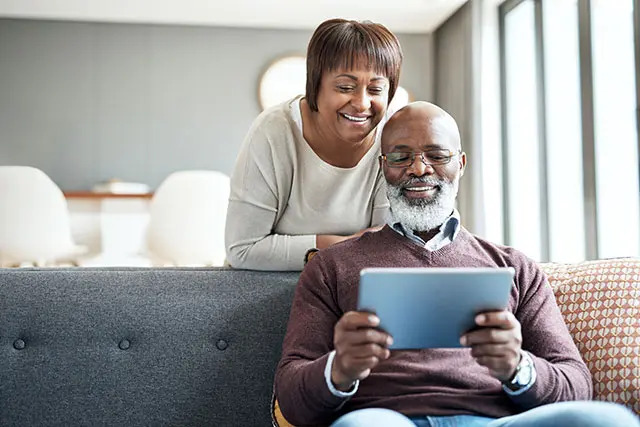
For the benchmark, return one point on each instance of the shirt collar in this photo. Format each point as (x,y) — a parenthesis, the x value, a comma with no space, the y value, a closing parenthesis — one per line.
(449,229)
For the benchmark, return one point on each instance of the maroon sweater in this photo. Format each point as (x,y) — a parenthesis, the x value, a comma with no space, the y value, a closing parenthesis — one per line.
(429,381)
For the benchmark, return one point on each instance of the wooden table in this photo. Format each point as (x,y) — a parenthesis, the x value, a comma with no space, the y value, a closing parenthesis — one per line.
(113,226)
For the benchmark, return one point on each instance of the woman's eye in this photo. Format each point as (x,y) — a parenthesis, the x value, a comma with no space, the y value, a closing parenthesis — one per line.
(376,90)
(345,88)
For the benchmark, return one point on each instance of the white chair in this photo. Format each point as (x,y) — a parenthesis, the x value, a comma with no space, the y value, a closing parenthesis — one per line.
(34,220)
(187,218)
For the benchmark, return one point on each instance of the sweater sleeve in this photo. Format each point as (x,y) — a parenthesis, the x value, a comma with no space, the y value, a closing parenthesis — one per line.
(380,212)
(561,373)
(260,188)
(300,385)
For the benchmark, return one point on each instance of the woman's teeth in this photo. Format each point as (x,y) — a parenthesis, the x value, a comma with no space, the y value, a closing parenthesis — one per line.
(355,119)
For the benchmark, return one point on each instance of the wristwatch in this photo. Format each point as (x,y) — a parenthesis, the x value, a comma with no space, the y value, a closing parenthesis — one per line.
(309,254)
(523,375)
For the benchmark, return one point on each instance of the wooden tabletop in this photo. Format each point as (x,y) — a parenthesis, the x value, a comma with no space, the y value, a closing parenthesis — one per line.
(92,195)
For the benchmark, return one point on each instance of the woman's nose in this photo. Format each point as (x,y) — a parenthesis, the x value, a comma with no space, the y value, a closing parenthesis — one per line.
(361,100)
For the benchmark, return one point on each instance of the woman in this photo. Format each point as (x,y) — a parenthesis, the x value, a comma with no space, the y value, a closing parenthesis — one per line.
(307,174)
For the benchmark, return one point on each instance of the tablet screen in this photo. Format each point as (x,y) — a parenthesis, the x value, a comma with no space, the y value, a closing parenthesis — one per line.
(432,307)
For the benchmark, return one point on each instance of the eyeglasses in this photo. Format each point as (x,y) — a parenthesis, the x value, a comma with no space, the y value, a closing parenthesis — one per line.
(399,159)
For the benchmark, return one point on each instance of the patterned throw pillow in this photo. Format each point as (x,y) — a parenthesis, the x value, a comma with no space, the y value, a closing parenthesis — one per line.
(600,302)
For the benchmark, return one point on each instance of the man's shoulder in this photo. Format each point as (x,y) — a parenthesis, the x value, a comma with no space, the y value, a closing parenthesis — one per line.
(528,273)
(511,253)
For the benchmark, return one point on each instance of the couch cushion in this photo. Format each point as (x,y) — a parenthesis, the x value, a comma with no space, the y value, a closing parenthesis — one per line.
(139,347)
(600,302)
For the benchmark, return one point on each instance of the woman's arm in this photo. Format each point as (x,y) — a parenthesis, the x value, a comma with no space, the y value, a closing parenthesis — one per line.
(248,245)
(380,212)
(326,240)
(260,186)
(260,189)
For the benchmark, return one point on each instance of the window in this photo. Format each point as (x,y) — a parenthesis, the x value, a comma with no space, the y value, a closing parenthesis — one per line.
(521,127)
(616,148)
(569,128)
(563,131)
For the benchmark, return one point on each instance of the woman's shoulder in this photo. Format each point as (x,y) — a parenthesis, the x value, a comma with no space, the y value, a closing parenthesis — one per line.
(276,120)
(272,137)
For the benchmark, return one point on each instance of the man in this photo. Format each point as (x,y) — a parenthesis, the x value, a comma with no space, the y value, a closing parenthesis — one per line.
(337,365)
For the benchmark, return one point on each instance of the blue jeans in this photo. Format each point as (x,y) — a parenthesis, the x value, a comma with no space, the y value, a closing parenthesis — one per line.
(579,413)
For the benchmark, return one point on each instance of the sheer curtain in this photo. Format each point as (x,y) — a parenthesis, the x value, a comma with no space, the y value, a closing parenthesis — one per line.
(457,90)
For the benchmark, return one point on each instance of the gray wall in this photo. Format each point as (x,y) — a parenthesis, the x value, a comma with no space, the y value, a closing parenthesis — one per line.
(86,102)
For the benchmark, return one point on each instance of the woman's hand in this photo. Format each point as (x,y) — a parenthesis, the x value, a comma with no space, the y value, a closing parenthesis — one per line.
(326,240)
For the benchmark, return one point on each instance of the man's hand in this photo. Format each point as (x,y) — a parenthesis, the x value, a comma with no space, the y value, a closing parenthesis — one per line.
(359,347)
(496,344)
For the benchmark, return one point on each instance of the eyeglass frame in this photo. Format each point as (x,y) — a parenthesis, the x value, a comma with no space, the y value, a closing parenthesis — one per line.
(423,158)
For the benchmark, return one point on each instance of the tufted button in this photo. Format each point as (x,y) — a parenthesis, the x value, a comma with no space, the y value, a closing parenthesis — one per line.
(124,344)
(222,345)
(18,344)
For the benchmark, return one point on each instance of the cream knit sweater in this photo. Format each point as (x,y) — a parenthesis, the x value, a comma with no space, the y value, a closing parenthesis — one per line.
(283,194)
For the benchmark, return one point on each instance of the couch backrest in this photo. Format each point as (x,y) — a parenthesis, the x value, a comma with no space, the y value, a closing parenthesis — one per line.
(140,346)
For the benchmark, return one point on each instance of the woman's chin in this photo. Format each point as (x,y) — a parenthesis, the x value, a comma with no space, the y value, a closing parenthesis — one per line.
(356,136)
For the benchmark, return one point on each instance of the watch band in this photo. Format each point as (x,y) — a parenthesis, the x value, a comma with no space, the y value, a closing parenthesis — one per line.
(523,375)
(309,254)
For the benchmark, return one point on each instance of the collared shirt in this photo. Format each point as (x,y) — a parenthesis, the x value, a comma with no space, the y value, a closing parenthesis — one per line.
(447,233)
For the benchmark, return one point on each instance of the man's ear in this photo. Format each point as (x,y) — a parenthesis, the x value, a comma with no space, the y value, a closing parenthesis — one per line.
(463,163)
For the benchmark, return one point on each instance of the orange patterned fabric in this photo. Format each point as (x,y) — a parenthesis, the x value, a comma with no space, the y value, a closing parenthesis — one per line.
(600,302)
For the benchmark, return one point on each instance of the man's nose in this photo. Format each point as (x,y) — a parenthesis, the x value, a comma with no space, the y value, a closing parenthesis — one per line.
(419,167)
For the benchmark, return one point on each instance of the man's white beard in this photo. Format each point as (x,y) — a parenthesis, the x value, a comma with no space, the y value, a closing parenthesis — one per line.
(422,214)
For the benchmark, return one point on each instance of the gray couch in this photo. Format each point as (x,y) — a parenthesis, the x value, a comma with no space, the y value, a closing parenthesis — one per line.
(140,347)
(191,347)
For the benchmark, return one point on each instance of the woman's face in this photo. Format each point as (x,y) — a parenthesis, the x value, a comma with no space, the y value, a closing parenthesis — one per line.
(351,103)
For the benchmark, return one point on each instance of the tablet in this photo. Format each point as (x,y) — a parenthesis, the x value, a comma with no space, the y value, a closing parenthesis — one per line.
(432,307)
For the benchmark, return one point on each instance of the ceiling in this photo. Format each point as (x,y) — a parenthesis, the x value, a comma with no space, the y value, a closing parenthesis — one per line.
(402,16)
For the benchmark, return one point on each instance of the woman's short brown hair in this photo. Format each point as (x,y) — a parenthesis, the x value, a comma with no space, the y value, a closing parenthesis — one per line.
(342,44)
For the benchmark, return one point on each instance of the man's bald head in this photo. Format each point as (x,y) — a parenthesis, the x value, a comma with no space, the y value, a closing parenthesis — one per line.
(423,120)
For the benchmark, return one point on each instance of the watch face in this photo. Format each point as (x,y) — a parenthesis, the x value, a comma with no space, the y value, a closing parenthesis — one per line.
(523,377)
